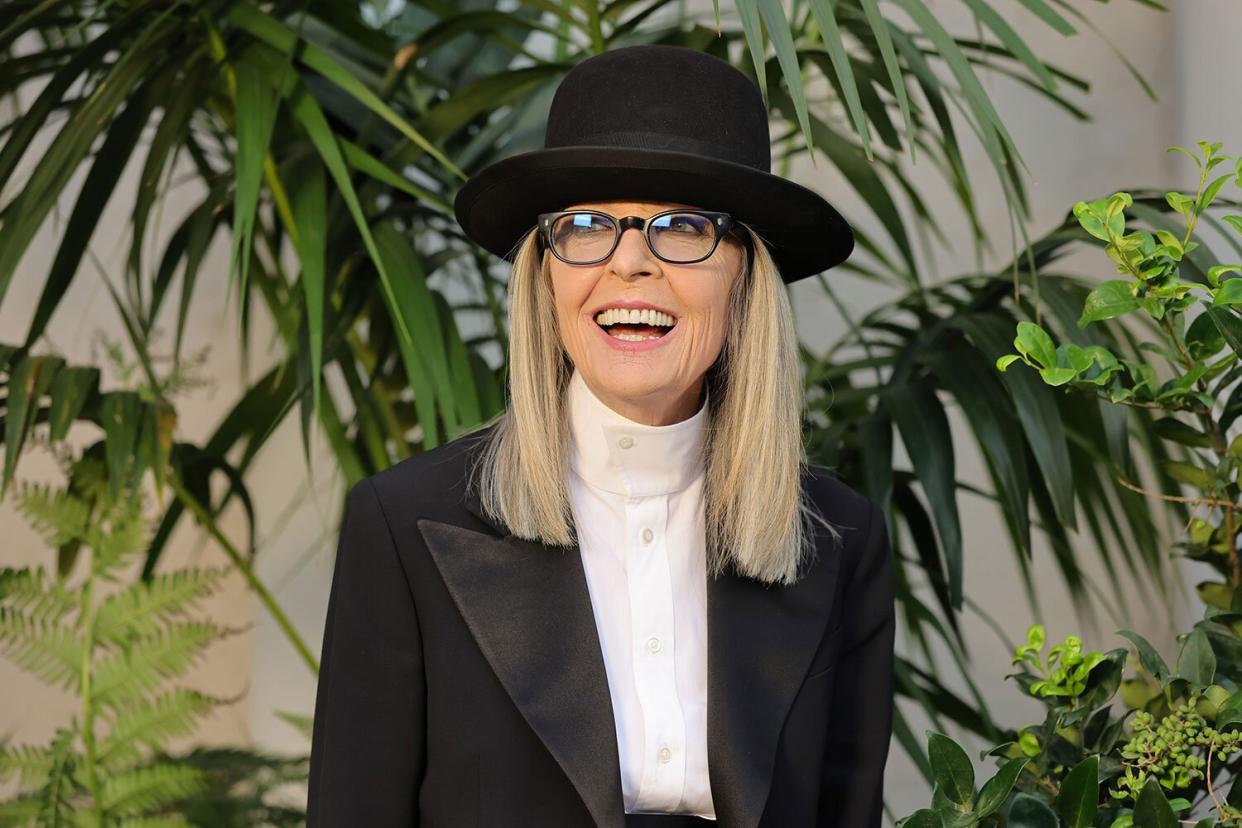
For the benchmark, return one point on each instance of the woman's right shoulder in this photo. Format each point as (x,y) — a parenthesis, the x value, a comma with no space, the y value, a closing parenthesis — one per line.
(435,476)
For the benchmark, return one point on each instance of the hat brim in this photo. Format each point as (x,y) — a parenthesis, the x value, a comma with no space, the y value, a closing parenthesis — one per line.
(498,205)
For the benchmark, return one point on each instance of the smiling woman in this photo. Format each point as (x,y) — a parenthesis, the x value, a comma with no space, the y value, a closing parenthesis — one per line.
(628,600)
(657,377)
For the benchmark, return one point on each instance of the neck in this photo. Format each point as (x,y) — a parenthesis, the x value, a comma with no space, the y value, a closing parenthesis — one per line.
(654,410)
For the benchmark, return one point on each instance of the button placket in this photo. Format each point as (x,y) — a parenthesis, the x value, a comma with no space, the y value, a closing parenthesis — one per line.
(651,605)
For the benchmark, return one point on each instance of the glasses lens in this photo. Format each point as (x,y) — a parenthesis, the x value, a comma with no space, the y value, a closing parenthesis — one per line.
(677,237)
(583,237)
(683,237)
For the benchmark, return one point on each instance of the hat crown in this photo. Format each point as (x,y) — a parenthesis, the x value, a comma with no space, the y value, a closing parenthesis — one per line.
(661,97)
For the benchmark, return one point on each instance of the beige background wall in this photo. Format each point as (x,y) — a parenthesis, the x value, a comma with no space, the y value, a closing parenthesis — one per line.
(1189,56)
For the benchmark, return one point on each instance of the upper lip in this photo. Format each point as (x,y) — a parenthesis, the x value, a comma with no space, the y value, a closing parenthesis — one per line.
(635,304)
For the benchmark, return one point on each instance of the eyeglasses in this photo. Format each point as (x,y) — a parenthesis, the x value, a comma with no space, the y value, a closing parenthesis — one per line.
(583,237)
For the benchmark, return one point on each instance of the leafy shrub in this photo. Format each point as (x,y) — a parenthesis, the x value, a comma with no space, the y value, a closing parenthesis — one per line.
(1080,766)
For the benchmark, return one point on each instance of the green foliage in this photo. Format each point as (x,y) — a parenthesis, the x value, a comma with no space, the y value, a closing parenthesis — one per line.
(114,652)
(1080,766)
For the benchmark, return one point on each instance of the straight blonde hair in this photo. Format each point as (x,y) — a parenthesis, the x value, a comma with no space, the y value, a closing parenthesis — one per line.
(757,515)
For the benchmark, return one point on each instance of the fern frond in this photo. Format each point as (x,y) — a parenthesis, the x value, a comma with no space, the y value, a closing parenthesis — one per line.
(51,652)
(151,722)
(31,763)
(146,661)
(30,590)
(247,787)
(170,821)
(149,788)
(55,807)
(21,810)
(128,532)
(58,515)
(138,609)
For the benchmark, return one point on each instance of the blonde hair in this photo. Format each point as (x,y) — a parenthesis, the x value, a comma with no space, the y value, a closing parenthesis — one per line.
(756,514)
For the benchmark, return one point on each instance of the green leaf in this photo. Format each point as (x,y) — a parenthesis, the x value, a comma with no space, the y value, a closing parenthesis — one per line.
(1057,376)
(1029,812)
(1190,474)
(1152,809)
(1148,656)
(1229,714)
(924,429)
(1197,662)
(266,28)
(1171,428)
(1203,338)
(1228,323)
(257,103)
(1216,271)
(1091,218)
(1209,193)
(996,790)
(1045,13)
(1036,409)
(1012,41)
(834,43)
(309,197)
(1111,299)
(884,42)
(1004,362)
(1034,342)
(1080,793)
(951,768)
(1183,204)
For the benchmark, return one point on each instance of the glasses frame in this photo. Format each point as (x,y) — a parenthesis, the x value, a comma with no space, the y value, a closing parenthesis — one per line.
(723,222)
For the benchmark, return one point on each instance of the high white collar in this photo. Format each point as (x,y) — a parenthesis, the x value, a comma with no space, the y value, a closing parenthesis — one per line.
(659,460)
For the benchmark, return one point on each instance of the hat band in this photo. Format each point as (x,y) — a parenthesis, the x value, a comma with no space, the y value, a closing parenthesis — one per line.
(637,139)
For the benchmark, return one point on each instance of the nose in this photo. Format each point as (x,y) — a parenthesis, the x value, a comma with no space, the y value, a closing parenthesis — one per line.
(632,255)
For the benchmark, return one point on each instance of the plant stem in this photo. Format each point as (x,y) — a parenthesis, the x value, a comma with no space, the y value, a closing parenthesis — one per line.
(87,618)
(246,569)
(1219,446)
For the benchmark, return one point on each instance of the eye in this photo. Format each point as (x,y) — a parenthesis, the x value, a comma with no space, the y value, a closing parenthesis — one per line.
(583,224)
(685,223)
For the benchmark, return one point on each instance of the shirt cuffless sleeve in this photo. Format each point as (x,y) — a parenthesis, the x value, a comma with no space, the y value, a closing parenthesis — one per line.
(367,744)
(860,722)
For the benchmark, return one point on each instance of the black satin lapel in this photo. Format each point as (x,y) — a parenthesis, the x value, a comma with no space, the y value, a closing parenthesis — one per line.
(761,640)
(529,608)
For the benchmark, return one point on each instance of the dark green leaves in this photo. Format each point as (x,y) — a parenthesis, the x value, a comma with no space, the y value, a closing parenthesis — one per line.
(1080,793)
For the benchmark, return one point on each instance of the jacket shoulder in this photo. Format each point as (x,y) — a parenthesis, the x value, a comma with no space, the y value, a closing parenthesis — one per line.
(431,481)
(840,503)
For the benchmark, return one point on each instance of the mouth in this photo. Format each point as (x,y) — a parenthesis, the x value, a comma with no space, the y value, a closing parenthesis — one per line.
(634,325)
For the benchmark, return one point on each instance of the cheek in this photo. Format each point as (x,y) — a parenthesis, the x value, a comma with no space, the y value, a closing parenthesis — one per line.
(569,296)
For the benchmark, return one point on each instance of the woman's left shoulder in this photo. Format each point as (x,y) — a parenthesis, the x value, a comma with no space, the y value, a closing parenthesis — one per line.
(837,501)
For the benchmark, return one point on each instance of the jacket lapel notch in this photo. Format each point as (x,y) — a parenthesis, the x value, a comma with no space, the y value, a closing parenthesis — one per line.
(528,607)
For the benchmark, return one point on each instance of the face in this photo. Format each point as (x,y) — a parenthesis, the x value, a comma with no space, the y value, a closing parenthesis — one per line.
(654,381)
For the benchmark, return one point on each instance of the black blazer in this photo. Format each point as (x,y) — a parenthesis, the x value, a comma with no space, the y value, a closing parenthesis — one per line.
(462,681)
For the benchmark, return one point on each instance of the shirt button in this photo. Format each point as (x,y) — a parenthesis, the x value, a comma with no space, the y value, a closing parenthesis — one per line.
(626,441)
(648,535)
(653,644)
(665,754)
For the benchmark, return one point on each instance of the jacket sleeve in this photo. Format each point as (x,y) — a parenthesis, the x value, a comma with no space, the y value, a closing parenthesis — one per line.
(860,723)
(367,743)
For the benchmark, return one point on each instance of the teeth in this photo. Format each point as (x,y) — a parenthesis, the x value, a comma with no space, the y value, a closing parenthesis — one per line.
(633,337)
(634,316)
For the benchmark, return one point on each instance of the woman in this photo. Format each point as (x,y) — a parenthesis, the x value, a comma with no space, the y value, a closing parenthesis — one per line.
(629,600)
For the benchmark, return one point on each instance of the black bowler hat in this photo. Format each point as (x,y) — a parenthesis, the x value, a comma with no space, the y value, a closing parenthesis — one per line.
(656,123)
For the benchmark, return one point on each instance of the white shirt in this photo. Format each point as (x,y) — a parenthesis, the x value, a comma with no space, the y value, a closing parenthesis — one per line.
(637,498)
